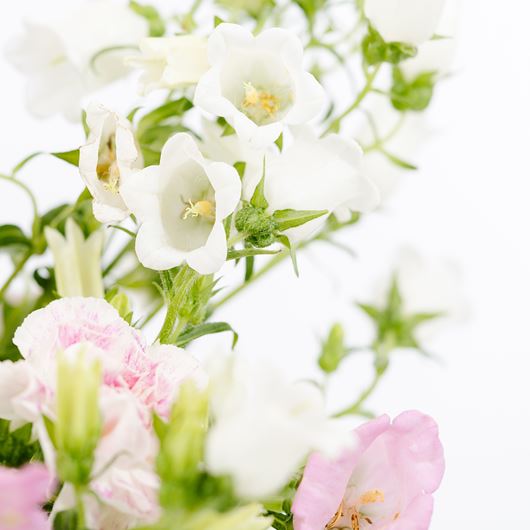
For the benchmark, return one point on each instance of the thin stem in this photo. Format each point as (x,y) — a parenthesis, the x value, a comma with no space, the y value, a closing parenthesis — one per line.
(80,508)
(266,268)
(370,78)
(126,248)
(14,274)
(24,188)
(356,407)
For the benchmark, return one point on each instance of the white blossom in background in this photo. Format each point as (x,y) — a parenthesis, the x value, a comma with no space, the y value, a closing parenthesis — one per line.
(258,83)
(410,21)
(108,158)
(231,149)
(77,261)
(181,205)
(170,62)
(57,59)
(264,426)
(318,174)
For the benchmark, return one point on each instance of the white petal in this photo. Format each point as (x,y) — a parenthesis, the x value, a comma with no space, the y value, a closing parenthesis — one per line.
(212,256)
(310,97)
(227,185)
(140,192)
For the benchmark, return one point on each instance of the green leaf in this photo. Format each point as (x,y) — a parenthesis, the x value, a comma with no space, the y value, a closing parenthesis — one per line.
(217,20)
(249,252)
(376,50)
(399,161)
(371,311)
(258,198)
(284,240)
(72,157)
(240,167)
(155,137)
(279,142)
(12,237)
(16,447)
(249,268)
(157,26)
(292,218)
(209,328)
(169,110)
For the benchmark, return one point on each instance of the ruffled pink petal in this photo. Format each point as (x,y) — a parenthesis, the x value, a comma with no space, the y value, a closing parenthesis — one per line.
(417,515)
(324,483)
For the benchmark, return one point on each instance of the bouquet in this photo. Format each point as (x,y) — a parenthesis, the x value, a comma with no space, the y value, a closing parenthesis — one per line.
(254,130)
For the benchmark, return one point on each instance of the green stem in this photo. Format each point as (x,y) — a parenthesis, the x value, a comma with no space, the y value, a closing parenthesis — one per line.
(80,508)
(356,407)
(266,268)
(24,188)
(370,78)
(14,274)
(118,258)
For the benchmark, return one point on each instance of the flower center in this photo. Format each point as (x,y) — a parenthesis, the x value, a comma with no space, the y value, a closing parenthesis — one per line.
(262,105)
(204,208)
(107,169)
(354,517)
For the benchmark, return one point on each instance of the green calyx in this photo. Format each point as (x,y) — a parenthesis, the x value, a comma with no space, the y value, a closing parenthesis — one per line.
(412,95)
(376,50)
(259,226)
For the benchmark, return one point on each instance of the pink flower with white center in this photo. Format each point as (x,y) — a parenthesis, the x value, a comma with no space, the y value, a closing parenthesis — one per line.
(385,482)
(153,374)
(23,492)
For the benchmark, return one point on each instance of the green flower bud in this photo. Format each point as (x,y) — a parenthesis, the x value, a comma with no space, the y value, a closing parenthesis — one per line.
(376,50)
(182,446)
(77,429)
(259,226)
(333,350)
(412,95)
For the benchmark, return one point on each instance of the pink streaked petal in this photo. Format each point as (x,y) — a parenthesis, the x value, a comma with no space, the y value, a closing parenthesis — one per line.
(324,483)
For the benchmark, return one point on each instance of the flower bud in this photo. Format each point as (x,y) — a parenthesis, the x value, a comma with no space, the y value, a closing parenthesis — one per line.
(333,350)
(77,261)
(257,224)
(182,445)
(78,426)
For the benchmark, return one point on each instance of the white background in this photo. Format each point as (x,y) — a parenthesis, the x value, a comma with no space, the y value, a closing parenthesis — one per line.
(470,202)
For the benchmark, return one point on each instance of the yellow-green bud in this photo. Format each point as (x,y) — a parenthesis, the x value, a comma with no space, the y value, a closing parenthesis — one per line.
(333,350)
(78,426)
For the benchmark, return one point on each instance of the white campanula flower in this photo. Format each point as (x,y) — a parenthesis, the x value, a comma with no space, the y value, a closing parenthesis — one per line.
(181,205)
(77,261)
(230,149)
(170,62)
(59,59)
(258,83)
(318,174)
(265,426)
(108,158)
(410,21)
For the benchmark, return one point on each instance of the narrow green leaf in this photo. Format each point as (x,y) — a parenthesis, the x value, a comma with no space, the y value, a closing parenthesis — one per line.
(284,240)
(249,268)
(279,142)
(13,236)
(209,328)
(171,109)
(72,157)
(258,198)
(240,168)
(292,218)
(399,162)
(371,311)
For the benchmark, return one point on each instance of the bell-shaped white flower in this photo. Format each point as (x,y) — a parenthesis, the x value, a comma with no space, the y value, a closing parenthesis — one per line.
(181,204)
(77,261)
(318,174)
(110,155)
(265,426)
(170,62)
(258,83)
(230,149)
(410,21)
(59,59)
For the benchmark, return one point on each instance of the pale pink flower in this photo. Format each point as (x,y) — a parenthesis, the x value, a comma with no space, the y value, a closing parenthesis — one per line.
(385,482)
(23,492)
(151,373)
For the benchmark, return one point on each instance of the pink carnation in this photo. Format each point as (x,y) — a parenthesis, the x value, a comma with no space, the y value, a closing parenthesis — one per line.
(385,482)
(23,491)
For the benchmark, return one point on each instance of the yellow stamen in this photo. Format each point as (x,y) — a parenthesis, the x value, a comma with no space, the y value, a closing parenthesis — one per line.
(107,168)
(204,209)
(372,496)
(260,100)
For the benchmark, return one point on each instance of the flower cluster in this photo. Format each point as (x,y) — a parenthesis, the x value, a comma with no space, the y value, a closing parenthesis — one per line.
(243,159)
